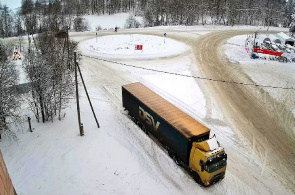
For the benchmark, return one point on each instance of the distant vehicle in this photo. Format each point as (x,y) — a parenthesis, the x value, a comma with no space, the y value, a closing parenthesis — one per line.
(265,47)
(280,46)
(274,47)
(16,55)
(291,48)
(186,140)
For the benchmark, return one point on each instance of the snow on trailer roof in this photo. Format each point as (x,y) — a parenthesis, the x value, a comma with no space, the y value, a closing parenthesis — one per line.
(284,37)
(184,123)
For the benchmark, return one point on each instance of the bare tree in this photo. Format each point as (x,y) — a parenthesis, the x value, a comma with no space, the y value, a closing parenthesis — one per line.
(50,75)
(6,21)
(8,100)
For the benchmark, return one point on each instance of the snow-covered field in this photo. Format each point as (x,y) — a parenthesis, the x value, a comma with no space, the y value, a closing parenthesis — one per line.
(123,46)
(109,21)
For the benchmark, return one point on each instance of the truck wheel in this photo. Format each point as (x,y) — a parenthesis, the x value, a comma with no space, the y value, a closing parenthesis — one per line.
(196,177)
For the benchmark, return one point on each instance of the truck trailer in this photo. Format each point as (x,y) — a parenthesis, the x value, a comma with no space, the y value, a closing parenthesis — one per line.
(186,140)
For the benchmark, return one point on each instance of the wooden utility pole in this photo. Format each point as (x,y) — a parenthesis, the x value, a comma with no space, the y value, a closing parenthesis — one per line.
(77,68)
(87,95)
(80,125)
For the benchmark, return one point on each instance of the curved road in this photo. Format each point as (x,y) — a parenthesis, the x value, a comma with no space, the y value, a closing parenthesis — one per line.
(249,110)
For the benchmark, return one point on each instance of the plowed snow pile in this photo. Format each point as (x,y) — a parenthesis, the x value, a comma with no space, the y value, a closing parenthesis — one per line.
(123,46)
(263,72)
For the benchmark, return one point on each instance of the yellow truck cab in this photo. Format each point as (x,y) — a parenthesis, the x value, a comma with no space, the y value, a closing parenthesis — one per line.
(208,160)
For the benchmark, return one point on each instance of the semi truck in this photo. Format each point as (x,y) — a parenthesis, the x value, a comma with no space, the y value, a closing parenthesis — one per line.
(187,141)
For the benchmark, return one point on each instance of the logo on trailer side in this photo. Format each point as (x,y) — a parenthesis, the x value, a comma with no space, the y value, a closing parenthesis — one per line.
(149,119)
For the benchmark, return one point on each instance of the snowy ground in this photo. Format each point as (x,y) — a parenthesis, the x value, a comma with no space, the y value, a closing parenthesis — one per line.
(55,160)
(264,72)
(21,71)
(119,158)
(123,46)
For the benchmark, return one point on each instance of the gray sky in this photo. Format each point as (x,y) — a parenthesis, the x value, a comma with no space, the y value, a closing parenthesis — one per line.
(12,4)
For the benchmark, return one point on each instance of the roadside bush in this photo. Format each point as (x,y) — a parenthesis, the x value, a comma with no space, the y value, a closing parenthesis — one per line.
(80,24)
(131,22)
(98,28)
(9,102)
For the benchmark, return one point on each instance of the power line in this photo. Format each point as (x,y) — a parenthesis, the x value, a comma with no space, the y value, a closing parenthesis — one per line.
(190,76)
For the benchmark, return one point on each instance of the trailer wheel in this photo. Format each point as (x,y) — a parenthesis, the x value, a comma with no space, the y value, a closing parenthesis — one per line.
(170,153)
(145,129)
(176,160)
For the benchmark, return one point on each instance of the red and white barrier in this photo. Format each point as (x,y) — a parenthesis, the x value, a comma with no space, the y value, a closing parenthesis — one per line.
(268,52)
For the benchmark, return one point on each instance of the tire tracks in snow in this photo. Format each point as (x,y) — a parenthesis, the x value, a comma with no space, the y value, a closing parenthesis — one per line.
(206,61)
(110,83)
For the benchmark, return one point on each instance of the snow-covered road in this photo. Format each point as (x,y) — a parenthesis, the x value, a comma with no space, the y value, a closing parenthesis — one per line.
(246,157)
(119,158)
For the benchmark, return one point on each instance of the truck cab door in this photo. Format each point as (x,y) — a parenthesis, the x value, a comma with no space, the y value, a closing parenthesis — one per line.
(194,162)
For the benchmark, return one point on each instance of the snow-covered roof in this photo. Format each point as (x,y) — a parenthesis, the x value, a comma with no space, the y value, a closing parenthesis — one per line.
(274,47)
(289,46)
(264,38)
(284,37)
(212,143)
(275,39)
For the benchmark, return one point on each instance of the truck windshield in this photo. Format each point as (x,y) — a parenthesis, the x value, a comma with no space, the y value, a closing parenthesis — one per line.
(215,166)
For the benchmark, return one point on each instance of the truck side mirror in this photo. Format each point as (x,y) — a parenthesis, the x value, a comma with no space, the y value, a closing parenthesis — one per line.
(202,164)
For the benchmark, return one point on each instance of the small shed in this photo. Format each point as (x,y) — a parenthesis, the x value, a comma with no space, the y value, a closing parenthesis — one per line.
(275,39)
(285,39)
(264,39)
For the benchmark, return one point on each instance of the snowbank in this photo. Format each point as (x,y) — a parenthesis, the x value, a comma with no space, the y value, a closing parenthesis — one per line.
(235,50)
(123,46)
